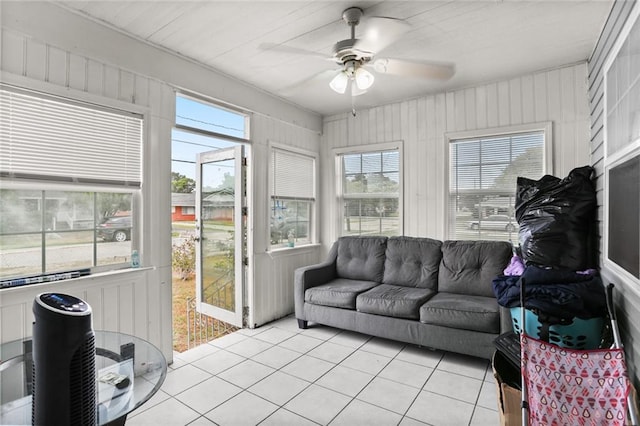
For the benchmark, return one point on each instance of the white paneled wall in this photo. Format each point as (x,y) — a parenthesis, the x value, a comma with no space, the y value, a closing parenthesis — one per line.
(47,48)
(137,302)
(558,95)
(272,295)
(627,296)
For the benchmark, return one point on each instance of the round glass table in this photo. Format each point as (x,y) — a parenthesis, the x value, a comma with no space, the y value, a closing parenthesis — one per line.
(129,371)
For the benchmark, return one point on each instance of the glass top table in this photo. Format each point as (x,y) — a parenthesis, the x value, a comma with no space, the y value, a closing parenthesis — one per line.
(118,356)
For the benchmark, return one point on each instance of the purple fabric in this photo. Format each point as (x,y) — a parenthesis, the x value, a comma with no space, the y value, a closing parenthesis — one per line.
(515,267)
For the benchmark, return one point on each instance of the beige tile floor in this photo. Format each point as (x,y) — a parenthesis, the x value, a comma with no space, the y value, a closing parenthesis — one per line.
(280,375)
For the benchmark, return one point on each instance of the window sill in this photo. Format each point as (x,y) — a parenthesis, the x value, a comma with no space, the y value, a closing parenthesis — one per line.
(283,251)
(96,275)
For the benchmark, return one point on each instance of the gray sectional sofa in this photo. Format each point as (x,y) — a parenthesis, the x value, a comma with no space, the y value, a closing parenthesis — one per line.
(416,290)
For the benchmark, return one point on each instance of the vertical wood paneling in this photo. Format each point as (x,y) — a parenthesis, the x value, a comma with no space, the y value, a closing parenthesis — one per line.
(492,105)
(481,107)
(515,100)
(12,54)
(77,72)
(111,84)
(57,67)
(528,100)
(95,79)
(504,105)
(36,60)
(424,122)
(272,279)
(626,297)
(540,97)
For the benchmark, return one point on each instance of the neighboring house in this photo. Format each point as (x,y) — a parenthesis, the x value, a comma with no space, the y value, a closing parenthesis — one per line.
(183,207)
(218,205)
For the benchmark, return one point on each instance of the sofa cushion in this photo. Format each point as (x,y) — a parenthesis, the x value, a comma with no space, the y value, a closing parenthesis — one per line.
(338,293)
(468,267)
(412,262)
(393,301)
(361,258)
(476,313)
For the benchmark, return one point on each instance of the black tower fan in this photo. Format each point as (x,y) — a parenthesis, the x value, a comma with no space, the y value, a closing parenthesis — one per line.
(64,377)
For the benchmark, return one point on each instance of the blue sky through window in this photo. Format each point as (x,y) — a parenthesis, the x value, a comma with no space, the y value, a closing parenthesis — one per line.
(202,116)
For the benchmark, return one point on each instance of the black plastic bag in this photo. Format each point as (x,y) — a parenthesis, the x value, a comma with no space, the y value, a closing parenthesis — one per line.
(557,220)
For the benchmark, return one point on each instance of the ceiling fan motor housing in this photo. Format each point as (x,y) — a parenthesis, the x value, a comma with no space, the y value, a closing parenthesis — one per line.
(352,16)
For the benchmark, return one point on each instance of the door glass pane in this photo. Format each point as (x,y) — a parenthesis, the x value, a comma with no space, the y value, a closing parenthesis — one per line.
(218,234)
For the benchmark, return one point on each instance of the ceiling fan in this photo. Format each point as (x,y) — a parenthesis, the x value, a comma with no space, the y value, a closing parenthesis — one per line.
(357,57)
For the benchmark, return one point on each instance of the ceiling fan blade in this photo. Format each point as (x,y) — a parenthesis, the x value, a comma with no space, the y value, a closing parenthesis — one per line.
(401,67)
(291,50)
(321,77)
(380,32)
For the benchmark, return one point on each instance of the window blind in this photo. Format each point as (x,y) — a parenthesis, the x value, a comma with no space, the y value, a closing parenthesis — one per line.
(54,139)
(492,164)
(482,183)
(293,175)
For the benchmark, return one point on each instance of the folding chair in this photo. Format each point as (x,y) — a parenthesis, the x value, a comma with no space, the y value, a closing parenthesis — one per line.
(563,386)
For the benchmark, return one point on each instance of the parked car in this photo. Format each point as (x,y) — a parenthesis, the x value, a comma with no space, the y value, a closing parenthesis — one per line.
(500,222)
(115,229)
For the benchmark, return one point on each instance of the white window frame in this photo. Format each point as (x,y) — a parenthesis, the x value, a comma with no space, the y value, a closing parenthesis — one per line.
(313,220)
(140,196)
(337,154)
(547,161)
(623,154)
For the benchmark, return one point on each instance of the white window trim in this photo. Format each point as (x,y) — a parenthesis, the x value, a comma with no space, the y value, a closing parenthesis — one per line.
(313,226)
(547,161)
(338,194)
(617,158)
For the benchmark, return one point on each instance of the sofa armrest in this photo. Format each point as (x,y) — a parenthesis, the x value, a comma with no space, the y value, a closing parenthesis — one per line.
(505,320)
(311,276)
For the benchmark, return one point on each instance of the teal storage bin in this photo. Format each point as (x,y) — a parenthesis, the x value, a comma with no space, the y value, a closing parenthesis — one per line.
(581,334)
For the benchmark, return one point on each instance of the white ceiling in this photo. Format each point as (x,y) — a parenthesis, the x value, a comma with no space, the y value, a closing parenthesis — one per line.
(486,40)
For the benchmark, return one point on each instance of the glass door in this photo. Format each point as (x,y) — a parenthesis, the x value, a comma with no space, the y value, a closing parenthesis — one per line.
(220,234)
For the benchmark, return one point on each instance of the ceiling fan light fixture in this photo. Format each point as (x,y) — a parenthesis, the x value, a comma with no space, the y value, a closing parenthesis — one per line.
(339,82)
(364,79)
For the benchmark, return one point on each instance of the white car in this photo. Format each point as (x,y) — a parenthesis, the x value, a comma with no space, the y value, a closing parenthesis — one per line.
(500,222)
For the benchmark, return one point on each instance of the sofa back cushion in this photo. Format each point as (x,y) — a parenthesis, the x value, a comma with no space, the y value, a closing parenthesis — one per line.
(468,267)
(361,258)
(412,262)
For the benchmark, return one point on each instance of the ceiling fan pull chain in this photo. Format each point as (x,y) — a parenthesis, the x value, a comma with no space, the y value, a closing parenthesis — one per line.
(353,106)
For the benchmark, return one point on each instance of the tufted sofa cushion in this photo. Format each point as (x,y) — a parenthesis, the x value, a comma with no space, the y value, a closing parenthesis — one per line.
(361,258)
(467,313)
(393,301)
(339,293)
(468,267)
(412,262)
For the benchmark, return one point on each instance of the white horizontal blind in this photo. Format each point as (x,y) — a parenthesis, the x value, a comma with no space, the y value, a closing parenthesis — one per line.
(483,178)
(293,175)
(53,139)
